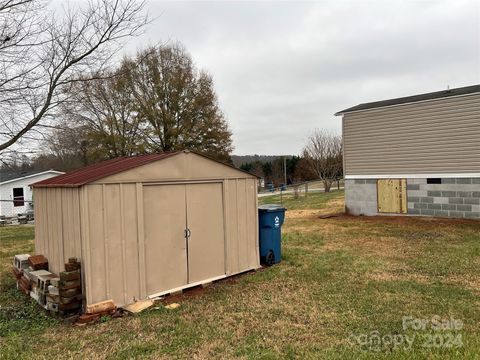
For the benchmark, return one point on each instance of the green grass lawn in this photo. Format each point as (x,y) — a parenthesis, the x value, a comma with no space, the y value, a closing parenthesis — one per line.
(343,280)
(313,200)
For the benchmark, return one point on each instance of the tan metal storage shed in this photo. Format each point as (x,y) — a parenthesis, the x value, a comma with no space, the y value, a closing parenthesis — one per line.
(149,225)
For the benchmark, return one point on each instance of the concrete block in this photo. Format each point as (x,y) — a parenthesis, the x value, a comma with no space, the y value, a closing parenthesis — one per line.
(436,193)
(448,181)
(369,211)
(435,206)
(440,200)
(464,181)
(472,215)
(476,181)
(476,194)
(414,211)
(359,181)
(471,201)
(427,199)
(413,187)
(449,193)
(413,199)
(420,206)
(410,205)
(21,261)
(475,208)
(441,213)
(434,187)
(464,207)
(427,212)
(417,193)
(455,214)
(449,207)
(353,210)
(371,182)
(455,201)
(464,194)
(450,187)
(416,181)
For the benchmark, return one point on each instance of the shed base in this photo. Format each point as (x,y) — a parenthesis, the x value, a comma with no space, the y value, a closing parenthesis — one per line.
(181,288)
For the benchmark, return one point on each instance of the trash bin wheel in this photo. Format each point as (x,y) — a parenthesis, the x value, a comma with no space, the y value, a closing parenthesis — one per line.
(270,258)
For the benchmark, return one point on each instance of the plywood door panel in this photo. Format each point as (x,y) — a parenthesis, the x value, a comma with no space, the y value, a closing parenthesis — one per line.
(165,246)
(392,196)
(206,243)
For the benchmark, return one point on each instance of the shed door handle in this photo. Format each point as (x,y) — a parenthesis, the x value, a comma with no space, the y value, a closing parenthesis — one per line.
(187,233)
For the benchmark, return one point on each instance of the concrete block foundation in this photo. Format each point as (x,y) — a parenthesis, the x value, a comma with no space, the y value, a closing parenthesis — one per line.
(451,197)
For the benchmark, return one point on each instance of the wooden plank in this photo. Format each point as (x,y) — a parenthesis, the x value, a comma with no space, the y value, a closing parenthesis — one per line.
(138,306)
(392,196)
(101,306)
(403,196)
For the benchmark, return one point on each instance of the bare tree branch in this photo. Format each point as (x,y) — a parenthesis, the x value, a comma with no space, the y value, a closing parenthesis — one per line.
(45,54)
(323,153)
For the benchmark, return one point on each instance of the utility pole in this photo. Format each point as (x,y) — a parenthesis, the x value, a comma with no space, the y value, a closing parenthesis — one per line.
(285,169)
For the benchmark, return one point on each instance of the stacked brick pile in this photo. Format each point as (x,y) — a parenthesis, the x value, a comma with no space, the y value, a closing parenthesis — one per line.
(61,294)
(70,287)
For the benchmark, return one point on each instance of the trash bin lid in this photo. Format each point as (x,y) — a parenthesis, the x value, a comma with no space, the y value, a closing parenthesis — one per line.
(271,207)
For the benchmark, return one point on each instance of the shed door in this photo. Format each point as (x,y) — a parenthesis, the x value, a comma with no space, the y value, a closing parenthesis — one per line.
(206,243)
(172,260)
(392,196)
(165,244)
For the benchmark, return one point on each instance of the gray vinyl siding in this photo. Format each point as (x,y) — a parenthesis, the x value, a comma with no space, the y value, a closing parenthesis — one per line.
(431,137)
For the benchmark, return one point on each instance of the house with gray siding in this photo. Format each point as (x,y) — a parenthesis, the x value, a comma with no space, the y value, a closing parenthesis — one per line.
(416,155)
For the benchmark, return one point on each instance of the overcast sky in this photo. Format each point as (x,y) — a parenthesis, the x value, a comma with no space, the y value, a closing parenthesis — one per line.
(282,69)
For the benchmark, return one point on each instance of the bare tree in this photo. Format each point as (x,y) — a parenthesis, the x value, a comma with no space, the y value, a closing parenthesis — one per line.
(106,109)
(323,153)
(43,54)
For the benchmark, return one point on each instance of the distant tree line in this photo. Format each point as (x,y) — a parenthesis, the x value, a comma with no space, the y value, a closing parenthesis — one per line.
(272,171)
(321,159)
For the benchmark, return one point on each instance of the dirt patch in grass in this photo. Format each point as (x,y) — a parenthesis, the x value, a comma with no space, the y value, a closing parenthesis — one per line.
(404,220)
(334,207)
(299,214)
(398,276)
(468,281)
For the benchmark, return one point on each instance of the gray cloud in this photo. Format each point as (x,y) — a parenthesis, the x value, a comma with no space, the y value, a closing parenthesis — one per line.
(282,69)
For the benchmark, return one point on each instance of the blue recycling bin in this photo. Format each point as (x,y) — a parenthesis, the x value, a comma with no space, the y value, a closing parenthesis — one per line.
(270,221)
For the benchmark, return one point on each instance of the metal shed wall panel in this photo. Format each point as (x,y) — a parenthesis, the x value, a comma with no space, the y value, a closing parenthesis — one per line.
(111,243)
(57,230)
(431,137)
(241,227)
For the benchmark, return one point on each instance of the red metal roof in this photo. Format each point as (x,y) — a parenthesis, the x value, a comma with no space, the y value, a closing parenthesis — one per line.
(98,171)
